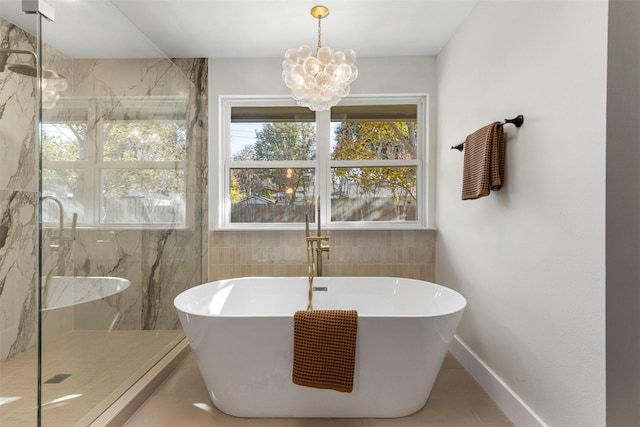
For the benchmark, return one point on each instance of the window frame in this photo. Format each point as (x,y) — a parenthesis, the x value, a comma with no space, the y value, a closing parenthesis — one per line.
(94,164)
(322,163)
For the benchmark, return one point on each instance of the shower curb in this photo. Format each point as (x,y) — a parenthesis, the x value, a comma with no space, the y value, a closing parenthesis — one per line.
(130,401)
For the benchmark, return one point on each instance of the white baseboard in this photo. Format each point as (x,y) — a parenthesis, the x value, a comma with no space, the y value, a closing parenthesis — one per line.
(509,402)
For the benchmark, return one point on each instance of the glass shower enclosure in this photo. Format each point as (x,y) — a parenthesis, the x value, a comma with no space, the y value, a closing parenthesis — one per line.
(101,209)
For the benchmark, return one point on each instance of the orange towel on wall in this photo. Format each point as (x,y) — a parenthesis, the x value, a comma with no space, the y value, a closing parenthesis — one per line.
(484,158)
(324,348)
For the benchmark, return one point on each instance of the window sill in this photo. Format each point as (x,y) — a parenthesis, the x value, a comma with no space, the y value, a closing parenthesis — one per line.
(332,227)
(125,227)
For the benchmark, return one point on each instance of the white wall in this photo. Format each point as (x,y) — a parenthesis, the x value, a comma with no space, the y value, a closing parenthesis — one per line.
(398,75)
(530,258)
(623,215)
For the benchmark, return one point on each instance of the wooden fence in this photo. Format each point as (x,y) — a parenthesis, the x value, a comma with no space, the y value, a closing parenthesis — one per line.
(341,210)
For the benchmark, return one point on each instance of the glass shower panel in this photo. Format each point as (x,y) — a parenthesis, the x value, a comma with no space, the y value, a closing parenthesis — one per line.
(18,219)
(122,161)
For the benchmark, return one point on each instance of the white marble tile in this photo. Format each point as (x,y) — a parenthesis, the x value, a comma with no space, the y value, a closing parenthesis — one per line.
(18,314)
(18,115)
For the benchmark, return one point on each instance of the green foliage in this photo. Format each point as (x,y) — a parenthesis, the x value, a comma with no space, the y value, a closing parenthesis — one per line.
(124,142)
(277,141)
(64,142)
(364,140)
(144,141)
(118,183)
(285,141)
(375,140)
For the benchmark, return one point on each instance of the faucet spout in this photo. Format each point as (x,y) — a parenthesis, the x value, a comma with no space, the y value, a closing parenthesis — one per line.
(60,211)
(61,235)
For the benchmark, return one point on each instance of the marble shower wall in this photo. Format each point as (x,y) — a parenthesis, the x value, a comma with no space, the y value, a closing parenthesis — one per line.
(18,195)
(197,71)
(159,262)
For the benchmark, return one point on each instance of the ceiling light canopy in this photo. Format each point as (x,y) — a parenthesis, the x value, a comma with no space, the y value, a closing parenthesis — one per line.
(319,82)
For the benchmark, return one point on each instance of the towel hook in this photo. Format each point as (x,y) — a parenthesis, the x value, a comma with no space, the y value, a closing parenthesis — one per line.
(516,121)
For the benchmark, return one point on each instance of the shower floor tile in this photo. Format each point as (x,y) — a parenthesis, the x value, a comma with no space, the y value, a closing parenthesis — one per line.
(101,365)
(182,400)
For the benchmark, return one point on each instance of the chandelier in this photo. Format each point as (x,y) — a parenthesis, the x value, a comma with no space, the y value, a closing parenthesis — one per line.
(319,82)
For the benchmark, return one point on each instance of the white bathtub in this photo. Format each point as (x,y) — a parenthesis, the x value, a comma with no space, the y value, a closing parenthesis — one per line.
(241,333)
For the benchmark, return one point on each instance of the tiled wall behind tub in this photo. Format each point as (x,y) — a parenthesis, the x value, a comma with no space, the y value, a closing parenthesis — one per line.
(407,253)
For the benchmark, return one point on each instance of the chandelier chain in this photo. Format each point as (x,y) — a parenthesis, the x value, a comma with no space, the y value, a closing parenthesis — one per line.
(319,34)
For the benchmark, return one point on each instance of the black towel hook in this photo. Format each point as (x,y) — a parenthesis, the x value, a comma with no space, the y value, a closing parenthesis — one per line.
(516,121)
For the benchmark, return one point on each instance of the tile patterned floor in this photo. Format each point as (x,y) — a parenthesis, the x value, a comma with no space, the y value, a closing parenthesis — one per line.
(182,400)
(102,365)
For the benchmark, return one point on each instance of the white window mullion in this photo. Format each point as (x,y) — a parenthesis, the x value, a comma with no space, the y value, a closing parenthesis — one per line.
(143,165)
(323,173)
(224,211)
(272,164)
(373,163)
(94,157)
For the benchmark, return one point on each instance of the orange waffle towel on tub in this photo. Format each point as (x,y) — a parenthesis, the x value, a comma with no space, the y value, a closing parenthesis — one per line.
(324,348)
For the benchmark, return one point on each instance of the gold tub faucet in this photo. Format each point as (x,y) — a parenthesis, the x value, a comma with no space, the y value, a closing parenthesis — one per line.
(316,244)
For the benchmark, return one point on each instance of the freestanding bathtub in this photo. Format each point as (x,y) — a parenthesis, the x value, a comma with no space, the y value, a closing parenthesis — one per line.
(241,333)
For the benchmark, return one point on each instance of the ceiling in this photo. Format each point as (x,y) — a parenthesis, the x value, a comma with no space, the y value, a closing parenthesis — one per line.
(242,28)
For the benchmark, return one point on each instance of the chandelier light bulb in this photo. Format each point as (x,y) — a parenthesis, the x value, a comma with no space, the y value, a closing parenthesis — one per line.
(319,81)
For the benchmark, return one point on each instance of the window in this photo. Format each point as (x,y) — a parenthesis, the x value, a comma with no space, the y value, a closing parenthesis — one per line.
(363,158)
(117,162)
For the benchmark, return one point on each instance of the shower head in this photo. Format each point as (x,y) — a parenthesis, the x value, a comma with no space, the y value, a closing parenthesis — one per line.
(4,55)
(32,71)
(51,82)
(25,69)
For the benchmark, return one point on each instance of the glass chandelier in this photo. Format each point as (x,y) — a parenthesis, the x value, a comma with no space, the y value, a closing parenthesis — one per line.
(319,82)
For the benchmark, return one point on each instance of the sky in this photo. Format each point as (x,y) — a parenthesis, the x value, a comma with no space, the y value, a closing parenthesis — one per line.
(243,134)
